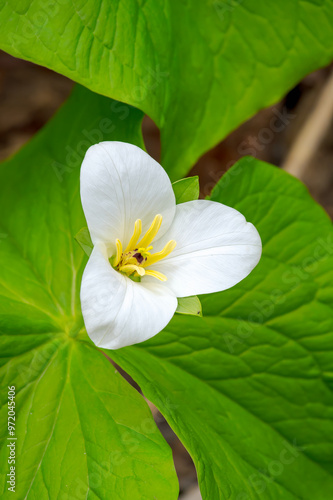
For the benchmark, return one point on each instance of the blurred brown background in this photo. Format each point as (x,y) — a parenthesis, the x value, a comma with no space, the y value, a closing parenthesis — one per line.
(295,134)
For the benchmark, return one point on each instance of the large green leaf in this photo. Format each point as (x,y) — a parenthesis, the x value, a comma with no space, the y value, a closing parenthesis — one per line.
(249,385)
(75,439)
(197,68)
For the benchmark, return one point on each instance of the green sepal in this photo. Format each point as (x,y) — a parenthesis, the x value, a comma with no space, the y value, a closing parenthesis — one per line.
(186,189)
(190,306)
(136,279)
(84,240)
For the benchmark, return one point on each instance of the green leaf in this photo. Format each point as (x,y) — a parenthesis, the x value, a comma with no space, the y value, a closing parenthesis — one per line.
(189,305)
(76,438)
(84,240)
(198,69)
(250,384)
(186,189)
(82,431)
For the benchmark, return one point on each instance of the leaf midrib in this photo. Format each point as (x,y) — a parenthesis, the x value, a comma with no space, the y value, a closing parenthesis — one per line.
(219,391)
(174,426)
(57,351)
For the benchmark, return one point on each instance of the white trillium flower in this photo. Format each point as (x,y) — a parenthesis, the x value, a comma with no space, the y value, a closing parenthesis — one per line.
(147,250)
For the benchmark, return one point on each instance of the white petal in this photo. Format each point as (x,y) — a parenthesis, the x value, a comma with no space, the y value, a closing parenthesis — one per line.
(216,248)
(120,183)
(117,311)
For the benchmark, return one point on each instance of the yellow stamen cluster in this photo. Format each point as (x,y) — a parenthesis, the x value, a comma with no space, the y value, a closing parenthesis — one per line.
(136,257)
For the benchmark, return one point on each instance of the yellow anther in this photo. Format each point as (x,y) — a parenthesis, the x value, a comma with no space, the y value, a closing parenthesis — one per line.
(152,259)
(145,250)
(119,253)
(157,275)
(130,268)
(136,257)
(152,231)
(135,236)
